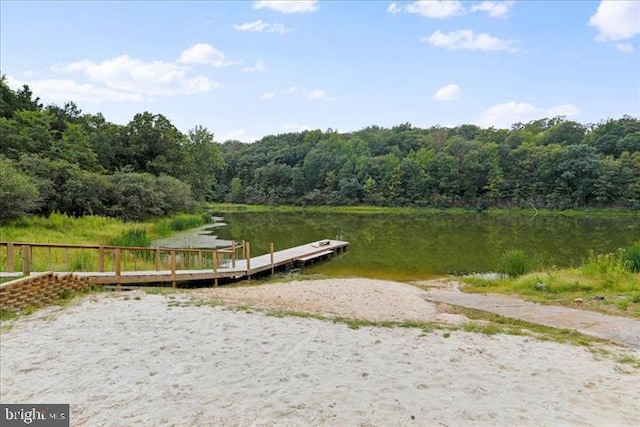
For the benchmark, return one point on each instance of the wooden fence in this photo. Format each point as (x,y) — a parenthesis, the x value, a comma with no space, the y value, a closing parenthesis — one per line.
(25,258)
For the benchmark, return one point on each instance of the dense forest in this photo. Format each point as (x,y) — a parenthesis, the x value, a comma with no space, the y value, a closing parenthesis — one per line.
(57,159)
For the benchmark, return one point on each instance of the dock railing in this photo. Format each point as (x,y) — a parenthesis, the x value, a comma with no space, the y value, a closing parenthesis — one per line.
(24,258)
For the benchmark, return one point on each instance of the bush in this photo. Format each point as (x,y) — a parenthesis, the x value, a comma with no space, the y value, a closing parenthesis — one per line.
(513,263)
(136,238)
(19,194)
(631,258)
(602,264)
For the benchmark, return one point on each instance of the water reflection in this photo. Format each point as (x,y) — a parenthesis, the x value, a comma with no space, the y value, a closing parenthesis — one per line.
(414,246)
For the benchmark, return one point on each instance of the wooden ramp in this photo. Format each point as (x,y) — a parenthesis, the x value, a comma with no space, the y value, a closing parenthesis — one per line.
(237,270)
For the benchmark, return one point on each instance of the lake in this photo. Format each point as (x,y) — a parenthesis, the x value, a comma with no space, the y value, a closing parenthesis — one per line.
(411,246)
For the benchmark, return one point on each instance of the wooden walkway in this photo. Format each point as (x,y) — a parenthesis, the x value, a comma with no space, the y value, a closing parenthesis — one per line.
(231,269)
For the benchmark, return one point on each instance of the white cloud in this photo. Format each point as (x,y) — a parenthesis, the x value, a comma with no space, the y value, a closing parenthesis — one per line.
(495,9)
(62,90)
(288,6)
(262,27)
(437,9)
(295,127)
(624,47)
(311,94)
(238,135)
(204,53)
(448,93)
(267,96)
(136,77)
(317,94)
(468,40)
(258,68)
(567,110)
(505,115)
(617,20)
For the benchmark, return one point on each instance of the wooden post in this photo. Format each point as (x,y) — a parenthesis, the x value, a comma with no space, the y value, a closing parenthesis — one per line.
(26,260)
(233,254)
(215,268)
(118,266)
(273,267)
(10,259)
(248,254)
(173,269)
(157,257)
(199,260)
(101,259)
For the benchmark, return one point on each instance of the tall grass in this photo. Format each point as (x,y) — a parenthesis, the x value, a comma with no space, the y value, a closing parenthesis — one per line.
(95,230)
(166,226)
(64,229)
(136,237)
(605,282)
(631,258)
(513,263)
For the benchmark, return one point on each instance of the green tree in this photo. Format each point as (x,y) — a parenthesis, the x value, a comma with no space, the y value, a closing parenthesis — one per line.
(201,162)
(74,147)
(19,194)
(151,144)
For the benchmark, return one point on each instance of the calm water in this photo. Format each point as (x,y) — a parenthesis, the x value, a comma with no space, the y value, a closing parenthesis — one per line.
(415,246)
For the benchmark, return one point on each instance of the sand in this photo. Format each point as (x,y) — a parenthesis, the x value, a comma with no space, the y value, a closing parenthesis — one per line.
(140,359)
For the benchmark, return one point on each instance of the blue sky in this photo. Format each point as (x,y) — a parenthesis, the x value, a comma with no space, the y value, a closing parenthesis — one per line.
(246,69)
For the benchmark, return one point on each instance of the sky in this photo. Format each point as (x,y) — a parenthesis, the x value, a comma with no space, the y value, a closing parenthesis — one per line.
(247,69)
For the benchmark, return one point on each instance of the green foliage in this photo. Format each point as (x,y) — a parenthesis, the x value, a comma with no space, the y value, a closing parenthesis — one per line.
(598,264)
(166,226)
(513,263)
(83,165)
(19,193)
(631,258)
(136,237)
(7,314)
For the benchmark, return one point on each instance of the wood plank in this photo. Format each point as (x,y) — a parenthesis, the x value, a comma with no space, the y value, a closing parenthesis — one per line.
(241,268)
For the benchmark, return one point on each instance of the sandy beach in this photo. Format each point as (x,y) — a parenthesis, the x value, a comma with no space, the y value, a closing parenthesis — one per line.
(143,359)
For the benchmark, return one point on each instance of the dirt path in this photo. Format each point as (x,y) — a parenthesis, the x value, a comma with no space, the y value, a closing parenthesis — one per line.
(621,330)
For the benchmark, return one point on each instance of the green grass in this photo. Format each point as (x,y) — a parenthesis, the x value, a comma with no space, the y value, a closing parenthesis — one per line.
(95,230)
(492,324)
(88,230)
(631,258)
(8,314)
(136,237)
(513,263)
(63,229)
(166,226)
(603,282)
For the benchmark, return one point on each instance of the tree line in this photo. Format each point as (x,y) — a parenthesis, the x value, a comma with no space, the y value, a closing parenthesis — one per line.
(548,163)
(57,159)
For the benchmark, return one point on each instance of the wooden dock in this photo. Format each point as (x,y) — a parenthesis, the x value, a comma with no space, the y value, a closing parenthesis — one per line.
(230,268)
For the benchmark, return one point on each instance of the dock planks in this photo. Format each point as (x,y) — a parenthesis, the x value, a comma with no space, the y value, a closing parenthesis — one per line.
(295,256)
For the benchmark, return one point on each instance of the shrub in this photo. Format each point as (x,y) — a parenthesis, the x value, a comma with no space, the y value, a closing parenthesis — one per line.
(19,194)
(602,264)
(631,258)
(513,263)
(136,237)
